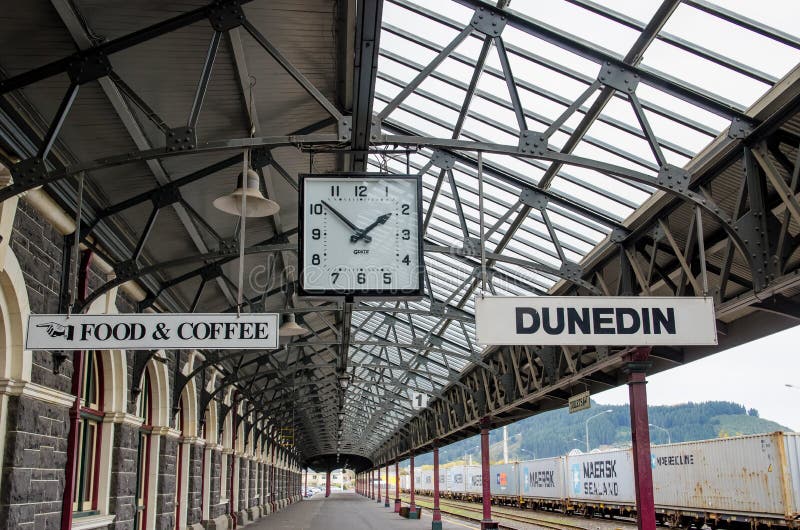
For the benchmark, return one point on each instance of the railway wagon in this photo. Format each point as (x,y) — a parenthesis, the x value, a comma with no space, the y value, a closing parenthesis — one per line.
(505,484)
(425,484)
(600,481)
(541,483)
(752,479)
(462,482)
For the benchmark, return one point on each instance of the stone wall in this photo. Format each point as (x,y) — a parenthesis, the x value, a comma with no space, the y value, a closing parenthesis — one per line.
(167,473)
(33,464)
(244,472)
(194,511)
(216,508)
(124,475)
(252,500)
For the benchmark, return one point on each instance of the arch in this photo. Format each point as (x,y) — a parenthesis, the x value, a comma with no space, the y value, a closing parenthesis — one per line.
(189,406)
(159,389)
(15,361)
(114,362)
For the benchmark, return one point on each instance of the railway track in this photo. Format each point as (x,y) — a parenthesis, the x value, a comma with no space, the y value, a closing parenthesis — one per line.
(469,511)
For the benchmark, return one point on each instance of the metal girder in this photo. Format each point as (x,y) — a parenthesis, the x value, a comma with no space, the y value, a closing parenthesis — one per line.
(116,45)
(367,44)
(583,49)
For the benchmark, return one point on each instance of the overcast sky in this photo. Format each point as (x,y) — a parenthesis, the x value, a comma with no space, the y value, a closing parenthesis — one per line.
(754,375)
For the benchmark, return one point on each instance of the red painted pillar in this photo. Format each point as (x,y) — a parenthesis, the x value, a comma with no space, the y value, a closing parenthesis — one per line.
(437,514)
(305,482)
(411,506)
(327,484)
(72,442)
(397,501)
(272,486)
(485,477)
(378,472)
(386,500)
(640,434)
(78,358)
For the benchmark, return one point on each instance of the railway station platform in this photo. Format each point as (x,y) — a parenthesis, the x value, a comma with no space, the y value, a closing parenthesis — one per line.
(345,510)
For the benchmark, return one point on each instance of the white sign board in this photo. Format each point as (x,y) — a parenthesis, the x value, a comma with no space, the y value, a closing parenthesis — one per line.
(595,320)
(153,331)
(580,402)
(419,400)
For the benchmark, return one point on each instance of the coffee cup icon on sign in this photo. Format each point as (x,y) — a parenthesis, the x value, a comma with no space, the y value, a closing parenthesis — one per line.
(54,329)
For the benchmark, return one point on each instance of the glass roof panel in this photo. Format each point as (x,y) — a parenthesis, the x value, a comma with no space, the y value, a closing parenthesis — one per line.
(715,56)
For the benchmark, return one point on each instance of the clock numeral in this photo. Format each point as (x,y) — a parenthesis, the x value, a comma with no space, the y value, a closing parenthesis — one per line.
(316,209)
(361,278)
(387,278)
(334,277)
(316,233)
(334,191)
(407,260)
(405,209)
(406,234)
(315,259)
(360,190)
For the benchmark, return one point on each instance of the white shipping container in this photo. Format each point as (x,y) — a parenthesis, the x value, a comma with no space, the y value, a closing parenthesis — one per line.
(424,480)
(605,477)
(543,479)
(454,479)
(504,480)
(743,475)
(792,472)
(474,479)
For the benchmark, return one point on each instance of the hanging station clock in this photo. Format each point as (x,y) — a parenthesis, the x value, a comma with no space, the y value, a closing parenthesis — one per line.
(360,235)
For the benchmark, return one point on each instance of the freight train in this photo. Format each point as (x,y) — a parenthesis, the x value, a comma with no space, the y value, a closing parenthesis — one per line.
(726,482)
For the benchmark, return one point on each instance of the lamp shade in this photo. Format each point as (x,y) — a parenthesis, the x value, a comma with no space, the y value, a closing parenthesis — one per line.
(291,328)
(257,205)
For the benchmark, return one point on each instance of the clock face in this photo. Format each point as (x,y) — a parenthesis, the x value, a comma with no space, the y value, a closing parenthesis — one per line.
(361,235)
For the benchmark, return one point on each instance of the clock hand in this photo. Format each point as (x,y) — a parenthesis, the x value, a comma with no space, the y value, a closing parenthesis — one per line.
(358,232)
(363,234)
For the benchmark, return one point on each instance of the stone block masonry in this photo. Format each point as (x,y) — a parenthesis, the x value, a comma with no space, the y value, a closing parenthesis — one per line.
(167,486)
(33,464)
(124,476)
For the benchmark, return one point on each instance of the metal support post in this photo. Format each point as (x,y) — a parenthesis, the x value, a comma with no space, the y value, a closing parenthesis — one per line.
(378,472)
(437,514)
(386,497)
(640,434)
(397,501)
(486,477)
(412,508)
(305,482)
(327,484)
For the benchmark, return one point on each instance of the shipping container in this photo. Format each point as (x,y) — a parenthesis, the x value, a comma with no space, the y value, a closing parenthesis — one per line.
(543,478)
(473,479)
(746,475)
(603,477)
(505,480)
(424,480)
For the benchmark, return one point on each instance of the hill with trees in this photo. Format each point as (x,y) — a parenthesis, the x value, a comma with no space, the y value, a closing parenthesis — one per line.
(557,432)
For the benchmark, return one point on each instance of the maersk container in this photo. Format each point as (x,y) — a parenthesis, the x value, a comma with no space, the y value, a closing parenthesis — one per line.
(542,479)
(424,479)
(454,479)
(474,480)
(505,480)
(757,475)
(605,477)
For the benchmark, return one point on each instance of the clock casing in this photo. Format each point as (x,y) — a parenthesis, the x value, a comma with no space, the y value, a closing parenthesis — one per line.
(360,235)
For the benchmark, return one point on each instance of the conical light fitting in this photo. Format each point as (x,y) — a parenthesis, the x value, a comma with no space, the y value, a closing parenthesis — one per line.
(256,205)
(291,328)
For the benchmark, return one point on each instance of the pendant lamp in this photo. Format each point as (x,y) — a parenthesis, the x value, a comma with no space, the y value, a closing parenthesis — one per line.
(256,205)
(291,328)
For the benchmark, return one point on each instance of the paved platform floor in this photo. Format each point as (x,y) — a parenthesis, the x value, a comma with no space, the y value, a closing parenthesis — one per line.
(347,511)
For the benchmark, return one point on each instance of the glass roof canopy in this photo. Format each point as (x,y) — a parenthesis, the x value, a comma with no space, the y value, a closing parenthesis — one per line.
(730,53)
